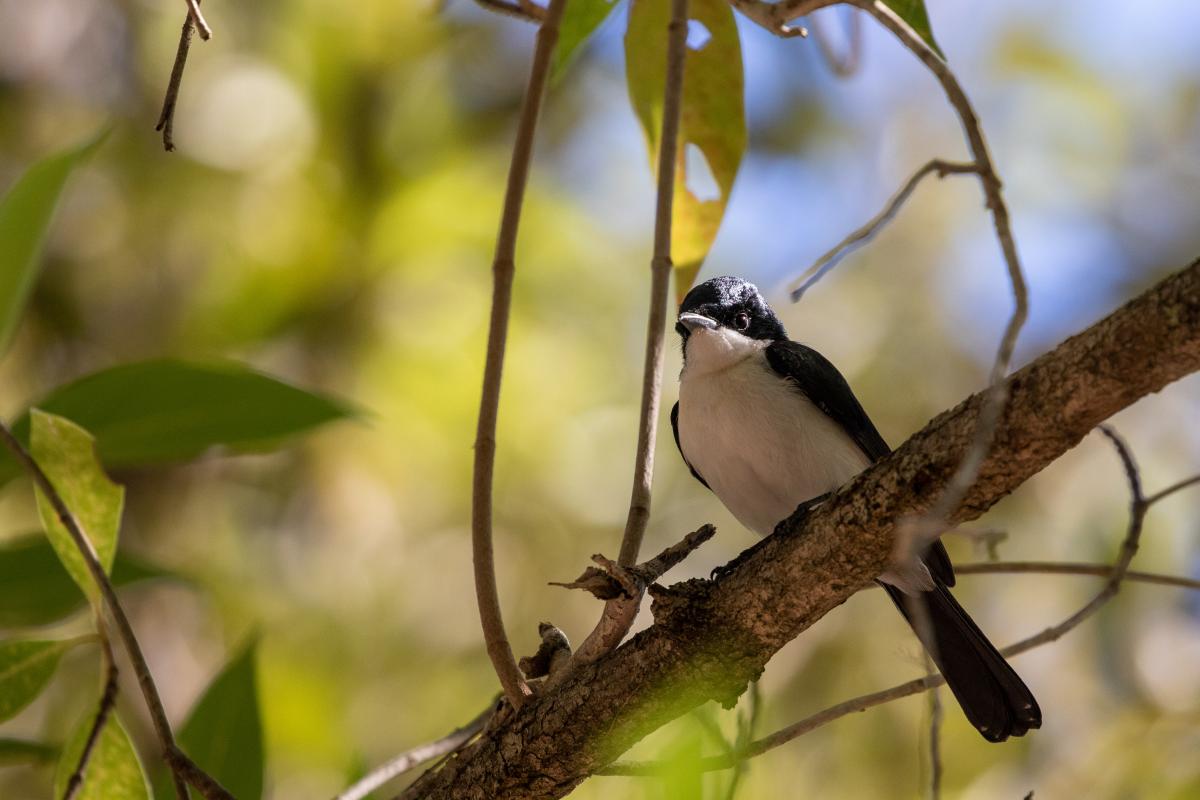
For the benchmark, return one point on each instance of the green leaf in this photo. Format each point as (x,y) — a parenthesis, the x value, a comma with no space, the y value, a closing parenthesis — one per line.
(154,412)
(25,215)
(67,454)
(579,22)
(713,124)
(21,751)
(35,588)
(25,669)
(913,12)
(223,734)
(114,771)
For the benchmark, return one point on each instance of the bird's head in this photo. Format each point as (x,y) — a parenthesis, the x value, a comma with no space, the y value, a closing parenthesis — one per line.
(725,319)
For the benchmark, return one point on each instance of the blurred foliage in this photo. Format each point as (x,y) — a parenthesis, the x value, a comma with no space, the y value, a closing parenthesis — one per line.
(327,221)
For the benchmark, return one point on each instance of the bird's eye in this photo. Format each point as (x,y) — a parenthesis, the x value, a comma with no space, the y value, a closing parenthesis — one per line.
(741,321)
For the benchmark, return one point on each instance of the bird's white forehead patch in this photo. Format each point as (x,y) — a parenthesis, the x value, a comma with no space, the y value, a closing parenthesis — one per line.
(717,349)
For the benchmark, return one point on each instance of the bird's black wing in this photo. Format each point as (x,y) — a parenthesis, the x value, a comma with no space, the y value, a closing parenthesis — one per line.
(825,388)
(675,430)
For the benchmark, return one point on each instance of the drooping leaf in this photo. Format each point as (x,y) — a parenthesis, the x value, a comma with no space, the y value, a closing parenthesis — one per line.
(35,588)
(23,751)
(712,134)
(67,454)
(25,668)
(25,215)
(223,733)
(580,20)
(114,771)
(159,411)
(913,12)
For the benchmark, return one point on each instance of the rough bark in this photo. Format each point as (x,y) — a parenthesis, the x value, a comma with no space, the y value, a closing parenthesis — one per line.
(711,637)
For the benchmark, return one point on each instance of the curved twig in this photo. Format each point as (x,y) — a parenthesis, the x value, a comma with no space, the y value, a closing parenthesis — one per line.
(503,270)
(405,761)
(108,698)
(867,231)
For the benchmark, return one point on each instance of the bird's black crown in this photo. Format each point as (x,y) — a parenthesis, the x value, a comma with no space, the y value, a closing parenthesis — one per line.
(735,304)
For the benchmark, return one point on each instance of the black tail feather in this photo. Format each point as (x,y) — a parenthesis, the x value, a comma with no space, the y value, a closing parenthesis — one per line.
(993,697)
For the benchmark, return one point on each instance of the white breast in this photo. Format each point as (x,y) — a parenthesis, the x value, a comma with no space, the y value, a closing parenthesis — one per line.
(761,446)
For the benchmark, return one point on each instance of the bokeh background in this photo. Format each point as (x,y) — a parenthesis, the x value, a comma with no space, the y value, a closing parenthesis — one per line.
(328,218)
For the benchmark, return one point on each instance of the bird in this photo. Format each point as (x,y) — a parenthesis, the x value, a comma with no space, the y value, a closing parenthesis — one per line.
(770,426)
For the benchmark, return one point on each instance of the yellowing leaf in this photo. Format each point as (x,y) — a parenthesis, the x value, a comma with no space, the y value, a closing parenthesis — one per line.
(114,771)
(712,135)
(67,454)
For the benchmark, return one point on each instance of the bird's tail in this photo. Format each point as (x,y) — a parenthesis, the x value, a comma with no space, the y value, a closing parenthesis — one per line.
(993,697)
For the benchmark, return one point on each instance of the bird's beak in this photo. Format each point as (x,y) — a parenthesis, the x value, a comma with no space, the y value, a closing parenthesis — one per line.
(695,321)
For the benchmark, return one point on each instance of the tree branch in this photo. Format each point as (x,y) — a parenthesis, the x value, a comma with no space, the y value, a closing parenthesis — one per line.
(503,269)
(710,638)
(1117,572)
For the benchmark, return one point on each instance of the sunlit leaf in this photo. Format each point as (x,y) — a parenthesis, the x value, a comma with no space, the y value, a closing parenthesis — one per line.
(166,410)
(114,771)
(913,12)
(35,588)
(22,751)
(67,454)
(712,133)
(25,669)
(25,215)
(579,22)
(223,734)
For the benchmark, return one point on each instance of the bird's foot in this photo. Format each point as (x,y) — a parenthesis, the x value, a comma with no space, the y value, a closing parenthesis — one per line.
(797,517)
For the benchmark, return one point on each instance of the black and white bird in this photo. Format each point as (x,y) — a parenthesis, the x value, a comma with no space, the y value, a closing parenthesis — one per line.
(769,424)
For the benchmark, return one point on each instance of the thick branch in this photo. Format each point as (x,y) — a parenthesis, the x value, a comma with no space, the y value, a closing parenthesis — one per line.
(710,638)
(503,269)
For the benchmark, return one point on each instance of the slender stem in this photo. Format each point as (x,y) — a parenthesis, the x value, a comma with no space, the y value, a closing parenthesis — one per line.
(660,275)
(525,10)
(166,118)
(108,698)
(503,269)
(867,231)
(158,715)
(198,19)
(416,756)
(1071,568)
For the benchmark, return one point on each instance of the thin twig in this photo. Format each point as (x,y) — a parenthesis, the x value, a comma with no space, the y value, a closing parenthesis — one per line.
(935,744)
(503,269)
(776,16)
(660,276)
(1072,568)
(416,756)
(871,227)
(198,19)
(623,588)
(108,698)
(932,523)
(1117,573)
(844,65)
(744,737)
(158,714)
(166,119)
(1170,490)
